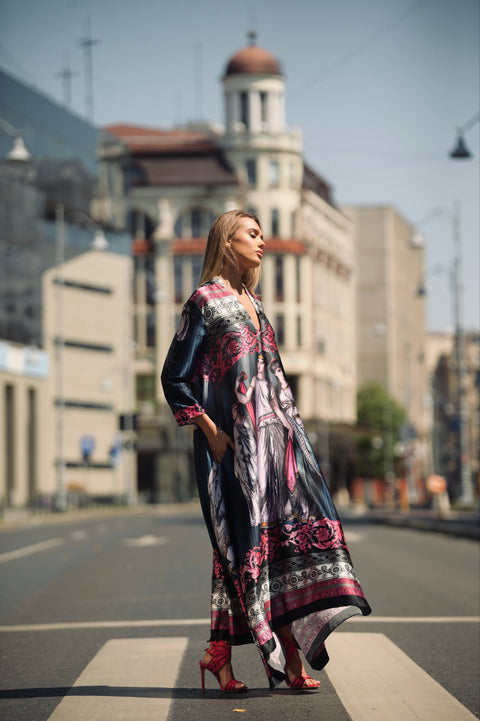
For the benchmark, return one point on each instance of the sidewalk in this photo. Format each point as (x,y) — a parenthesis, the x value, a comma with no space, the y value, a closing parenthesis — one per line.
(463,524)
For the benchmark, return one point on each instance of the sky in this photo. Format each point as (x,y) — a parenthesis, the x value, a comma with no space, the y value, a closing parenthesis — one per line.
(378,89)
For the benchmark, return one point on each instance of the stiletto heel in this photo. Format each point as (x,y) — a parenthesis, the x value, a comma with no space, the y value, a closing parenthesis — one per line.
(299,682)
(221,653)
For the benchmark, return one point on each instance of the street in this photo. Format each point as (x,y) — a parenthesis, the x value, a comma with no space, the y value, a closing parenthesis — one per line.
(105,616)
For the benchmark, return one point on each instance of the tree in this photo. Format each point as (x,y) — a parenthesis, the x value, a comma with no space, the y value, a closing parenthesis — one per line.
(381,418)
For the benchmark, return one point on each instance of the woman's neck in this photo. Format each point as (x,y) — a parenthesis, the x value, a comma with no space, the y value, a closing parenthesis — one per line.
(232,279)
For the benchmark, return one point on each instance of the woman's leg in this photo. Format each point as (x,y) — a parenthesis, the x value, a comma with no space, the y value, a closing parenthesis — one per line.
(294,667)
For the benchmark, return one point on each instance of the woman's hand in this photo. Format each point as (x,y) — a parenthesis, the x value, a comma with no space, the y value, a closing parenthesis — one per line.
(219,443)
(217,439)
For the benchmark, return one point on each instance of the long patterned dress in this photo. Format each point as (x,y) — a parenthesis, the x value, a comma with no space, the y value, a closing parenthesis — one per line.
(279,553)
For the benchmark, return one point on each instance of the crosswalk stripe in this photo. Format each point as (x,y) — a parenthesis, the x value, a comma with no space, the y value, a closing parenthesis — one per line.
(28,550)
(376,681)
(128,679)
(168,622)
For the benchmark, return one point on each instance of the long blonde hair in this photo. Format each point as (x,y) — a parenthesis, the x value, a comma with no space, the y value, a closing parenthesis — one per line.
(223,228)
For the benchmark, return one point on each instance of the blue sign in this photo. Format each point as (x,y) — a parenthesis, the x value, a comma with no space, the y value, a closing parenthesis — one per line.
(87,446)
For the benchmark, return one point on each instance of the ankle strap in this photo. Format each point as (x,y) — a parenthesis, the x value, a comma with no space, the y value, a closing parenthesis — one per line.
(221,652)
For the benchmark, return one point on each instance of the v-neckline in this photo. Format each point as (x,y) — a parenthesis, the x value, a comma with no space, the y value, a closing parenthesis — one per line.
(220,282)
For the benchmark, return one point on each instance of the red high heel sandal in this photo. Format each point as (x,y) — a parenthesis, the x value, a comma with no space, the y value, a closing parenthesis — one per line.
(221,653)
(299,682)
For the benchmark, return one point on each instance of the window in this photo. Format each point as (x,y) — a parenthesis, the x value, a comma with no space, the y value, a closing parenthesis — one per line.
(31,442)
(264,107)
(151,329)
(145,387)
(193,223)
(244,110)
(279,278)
(298,279)
(9,440)
(177,275)
(251,166)
(274,174)
(196,221)
(275,222)
(280,328)
(178,227)
(197,264)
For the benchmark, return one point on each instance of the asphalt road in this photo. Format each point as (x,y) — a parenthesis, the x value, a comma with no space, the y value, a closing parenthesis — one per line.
(113,602)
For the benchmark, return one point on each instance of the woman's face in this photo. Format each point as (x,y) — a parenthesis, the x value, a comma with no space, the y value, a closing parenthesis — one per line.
(260,365)
(247,244)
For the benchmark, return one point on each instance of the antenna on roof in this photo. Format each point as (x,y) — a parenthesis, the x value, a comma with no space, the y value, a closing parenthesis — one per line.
(66,74)
(87,44)
(252,22)
(198,81)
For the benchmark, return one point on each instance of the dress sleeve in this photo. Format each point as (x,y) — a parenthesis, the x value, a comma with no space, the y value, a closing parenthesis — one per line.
(179,365)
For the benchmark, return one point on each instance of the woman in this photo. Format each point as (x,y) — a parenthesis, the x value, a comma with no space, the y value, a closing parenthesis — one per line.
(281,578)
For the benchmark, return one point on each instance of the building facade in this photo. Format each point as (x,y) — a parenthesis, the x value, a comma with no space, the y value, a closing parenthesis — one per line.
(89,390)
(390,310)
(443,373)
(38,463)
(391,329)
(24,437)
(168,186)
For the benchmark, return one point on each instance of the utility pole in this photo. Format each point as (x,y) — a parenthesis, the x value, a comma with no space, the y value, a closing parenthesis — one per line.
(87,44)
(66,75)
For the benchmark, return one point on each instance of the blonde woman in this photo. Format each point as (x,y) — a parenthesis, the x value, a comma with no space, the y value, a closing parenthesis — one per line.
(282,581)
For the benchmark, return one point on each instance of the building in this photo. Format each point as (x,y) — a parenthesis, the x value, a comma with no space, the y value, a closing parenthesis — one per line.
(166,187)
(93,389)
(23,440)
(391,330)
(445,411)
(88,322)
(390,311)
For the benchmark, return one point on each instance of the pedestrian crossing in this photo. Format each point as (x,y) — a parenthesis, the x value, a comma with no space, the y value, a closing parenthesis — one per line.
(134,679)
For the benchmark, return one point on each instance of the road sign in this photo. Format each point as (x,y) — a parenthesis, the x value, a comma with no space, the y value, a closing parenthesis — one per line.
(87,446)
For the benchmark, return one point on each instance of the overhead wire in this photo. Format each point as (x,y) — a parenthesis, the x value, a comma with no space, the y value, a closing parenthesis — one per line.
(333,67)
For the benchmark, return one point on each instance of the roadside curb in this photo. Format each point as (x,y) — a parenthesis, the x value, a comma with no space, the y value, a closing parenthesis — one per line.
(454,527)
(24,518)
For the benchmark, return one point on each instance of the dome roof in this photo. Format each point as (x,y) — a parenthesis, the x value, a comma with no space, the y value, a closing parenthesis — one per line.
(253,60)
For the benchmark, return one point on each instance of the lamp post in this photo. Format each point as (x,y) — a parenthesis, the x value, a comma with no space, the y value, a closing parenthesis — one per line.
(99,243)
(460,349)
(461,366)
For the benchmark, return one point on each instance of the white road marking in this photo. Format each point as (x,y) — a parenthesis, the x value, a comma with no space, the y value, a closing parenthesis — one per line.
(353,536)
(160,622)
(144,541)
(78,535)
(28,550)
(376,681)
(127,679)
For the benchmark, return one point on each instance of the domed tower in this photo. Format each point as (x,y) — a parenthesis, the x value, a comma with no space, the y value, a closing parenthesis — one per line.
(254,92)
(267,156)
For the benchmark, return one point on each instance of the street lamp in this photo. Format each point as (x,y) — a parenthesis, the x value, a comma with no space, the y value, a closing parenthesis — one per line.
(19,153)
(99,243)
(460,349)
(460,151)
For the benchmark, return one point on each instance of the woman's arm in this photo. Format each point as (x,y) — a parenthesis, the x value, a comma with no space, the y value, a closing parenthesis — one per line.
(179,366)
